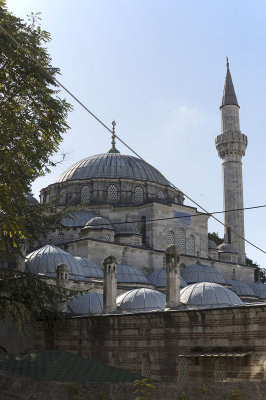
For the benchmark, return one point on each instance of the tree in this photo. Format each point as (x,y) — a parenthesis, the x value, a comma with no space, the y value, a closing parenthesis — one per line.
(32,122)
(216,238)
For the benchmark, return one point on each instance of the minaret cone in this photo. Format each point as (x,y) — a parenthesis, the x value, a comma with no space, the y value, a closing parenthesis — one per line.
(229,95)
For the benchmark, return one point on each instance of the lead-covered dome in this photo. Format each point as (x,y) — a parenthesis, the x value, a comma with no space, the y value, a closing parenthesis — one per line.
(86,304)
(99,223)
(91,269)
(139,300)
(259,289)
(208,295)
(113,165)
(129,274)
(201,273)
(241,288)
(46,259)
(158,279)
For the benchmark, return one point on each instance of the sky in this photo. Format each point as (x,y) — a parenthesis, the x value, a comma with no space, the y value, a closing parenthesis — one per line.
(158,67)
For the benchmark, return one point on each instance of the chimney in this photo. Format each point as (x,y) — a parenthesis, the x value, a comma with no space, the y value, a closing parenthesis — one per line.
(110,285)
(62,274)
(172,277)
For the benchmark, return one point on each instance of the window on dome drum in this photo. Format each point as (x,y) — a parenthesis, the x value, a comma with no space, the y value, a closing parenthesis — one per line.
(61,237)
(146,366)
(47,198)
(112,194)
(161,195)
(143,228)
(191,245)
(108,237)
(171,238)
(183,370)
(62,198)
(85,194)
(138,195)
(181,238)
(220,370)
(135,241)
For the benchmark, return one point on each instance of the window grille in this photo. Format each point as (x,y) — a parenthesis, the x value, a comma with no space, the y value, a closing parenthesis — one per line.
(182,240)
(136,241)
(108,237)
(61,237)
(146,366)
(85,194)
(161,195)
(191,245)
(171,238)
(112,194)
(220,370)
(62,197)
(139,195)
(183,370)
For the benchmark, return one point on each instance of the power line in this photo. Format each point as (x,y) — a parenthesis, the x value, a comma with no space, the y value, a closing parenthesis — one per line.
(106,127)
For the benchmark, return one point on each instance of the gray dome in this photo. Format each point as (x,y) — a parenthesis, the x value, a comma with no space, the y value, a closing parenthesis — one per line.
(201,273)
(158,279)
(139,300)
(30,199)
(259,289)
(99,223)
(86,304)
(80,218)
(128,274)
(226,248)
(91,269)
(207,294)
(113,165)
(46,259)
(128,228)
(212,245)
(241,288)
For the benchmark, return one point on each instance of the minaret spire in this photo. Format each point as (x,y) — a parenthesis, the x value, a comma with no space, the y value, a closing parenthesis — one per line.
(113,148)
(231,146)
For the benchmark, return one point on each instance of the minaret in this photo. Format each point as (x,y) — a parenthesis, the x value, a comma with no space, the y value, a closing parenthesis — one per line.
(231,146)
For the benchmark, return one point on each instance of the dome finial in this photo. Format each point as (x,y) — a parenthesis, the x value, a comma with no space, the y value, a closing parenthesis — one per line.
(113,148)
(227,62)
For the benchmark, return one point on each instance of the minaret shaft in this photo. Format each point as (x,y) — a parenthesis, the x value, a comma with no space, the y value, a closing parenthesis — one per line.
(231,146)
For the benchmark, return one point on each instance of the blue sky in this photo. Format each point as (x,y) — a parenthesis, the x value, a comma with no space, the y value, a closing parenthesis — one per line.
(158,69)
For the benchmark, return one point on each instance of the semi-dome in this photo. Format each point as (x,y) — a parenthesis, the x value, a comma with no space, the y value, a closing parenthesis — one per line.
(86,304)
(46,259)
(208,295)
(259,289)
(79,218)
(113,165)
(226,248)
(129,274)
(91,269)
(99,223)
(201,273)
(139,300)
(241,288)
(158,279)
(30,199)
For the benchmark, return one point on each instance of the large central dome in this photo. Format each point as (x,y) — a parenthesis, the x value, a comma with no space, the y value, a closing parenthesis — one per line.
(113,165)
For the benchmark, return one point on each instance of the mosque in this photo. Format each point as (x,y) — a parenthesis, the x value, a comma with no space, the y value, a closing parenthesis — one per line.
(134,222)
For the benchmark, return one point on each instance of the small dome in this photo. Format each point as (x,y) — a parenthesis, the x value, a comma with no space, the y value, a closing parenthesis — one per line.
(139,300)
(207,294)
(226,248)
(46,259)
(158,279)
(99,223)
(128,274)
(259,289)
(80,218)
(91,269)
(30,199)
(113,165)
(86,304)
(212,245)
(241,288)
(128,228)
(201,273)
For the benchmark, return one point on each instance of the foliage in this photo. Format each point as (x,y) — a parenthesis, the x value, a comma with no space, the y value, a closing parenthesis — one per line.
(236,395)
(32,121)
(23,298)
(144,389)
(215,237)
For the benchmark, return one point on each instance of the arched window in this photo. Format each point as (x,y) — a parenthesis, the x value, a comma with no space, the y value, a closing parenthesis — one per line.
(138,195)
(143,228)
(146,366)
(161,195)
(62,197)
(108,237)
(47,198)
(112,194)
(171,238)
(61,237)
(181,240)
(191,245)
(85,194)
